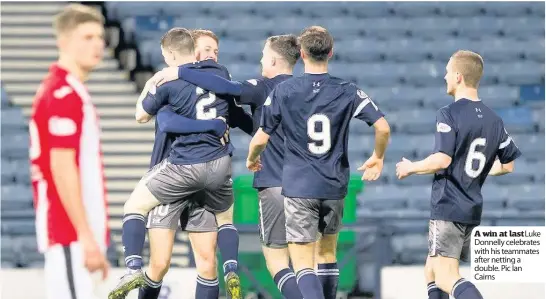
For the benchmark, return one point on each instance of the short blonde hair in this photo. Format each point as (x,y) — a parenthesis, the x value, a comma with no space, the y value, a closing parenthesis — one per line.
(197,33)
(74,15)
(470,65)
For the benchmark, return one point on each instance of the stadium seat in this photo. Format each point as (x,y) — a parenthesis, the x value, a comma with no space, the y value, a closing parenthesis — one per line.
(536,9)
(18,227)
(148,27)
(517,120)
(523,174)
(380,198)
(461,9)
(145,49)
(326,10)
(531,146)
(519,73)
(524,28)
(517,218)
(370,9)
(244,71)
(432,27)
(416,9)
(415,121)
(494,196)
(400,146)
(405,50)
(294,25)
(507,9)
(425,73)
(123,10)
(375,74)
(188,9)
(527,198)
(337,26)
(272,9)
(218,26)
(499,96)
(231,9)
(250,28)
(383,28)
(499,50)
(533,50)
(13,119)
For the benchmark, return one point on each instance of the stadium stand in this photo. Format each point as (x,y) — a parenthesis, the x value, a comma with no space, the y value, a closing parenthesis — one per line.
(396,52)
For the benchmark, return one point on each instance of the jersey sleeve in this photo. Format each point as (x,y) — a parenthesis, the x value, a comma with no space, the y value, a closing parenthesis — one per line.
(508,151)
(365,109)
(271,113)
(253,92)
(156,98)
(209,81)
(65,117)
(445,135)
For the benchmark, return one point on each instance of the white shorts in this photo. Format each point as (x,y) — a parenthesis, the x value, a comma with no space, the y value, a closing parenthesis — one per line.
(66,276)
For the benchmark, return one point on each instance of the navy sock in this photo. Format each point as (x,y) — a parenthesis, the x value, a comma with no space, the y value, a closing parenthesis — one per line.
(228,243)
(328,275)
(286,282)
(434,292)
(207,289)
(133,238)
(463,289)
(309,284)
(151,290)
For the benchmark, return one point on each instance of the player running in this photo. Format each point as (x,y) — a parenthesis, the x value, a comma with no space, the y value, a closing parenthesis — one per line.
(469,136)
(197,162)
(315,110)
(280,54)
(66,161)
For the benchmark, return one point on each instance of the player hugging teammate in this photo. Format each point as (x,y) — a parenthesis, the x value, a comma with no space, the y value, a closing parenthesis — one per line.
(302,175)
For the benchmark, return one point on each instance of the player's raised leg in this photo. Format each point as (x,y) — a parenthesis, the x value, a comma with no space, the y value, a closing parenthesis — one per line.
(302,224)
(274,245)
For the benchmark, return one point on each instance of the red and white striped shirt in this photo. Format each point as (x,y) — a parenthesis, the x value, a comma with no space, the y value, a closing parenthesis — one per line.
(64,117)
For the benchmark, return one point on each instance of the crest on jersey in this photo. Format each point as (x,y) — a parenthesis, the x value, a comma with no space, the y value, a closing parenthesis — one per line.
(267,101)
(252,81)
(61,126)
(62,92)
(362,94)
(443,128)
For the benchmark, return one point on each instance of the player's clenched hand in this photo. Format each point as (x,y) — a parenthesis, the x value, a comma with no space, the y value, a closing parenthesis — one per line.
(94,259)
(372,168)
(165,75)
(254,165)
(403,168)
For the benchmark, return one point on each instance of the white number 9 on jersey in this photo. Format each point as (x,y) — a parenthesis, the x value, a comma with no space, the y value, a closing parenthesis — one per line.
(205,100)
(324,137)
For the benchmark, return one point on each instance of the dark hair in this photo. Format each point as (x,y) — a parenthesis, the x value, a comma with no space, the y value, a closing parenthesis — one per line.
(470,65)
(178,40)
(197,33)
(317,43)
(287,46)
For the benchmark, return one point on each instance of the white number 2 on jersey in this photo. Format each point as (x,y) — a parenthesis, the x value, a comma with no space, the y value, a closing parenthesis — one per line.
(474,154)
(323,136)
(204,101)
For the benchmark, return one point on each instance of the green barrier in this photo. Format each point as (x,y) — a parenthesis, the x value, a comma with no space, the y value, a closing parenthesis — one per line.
(246,211)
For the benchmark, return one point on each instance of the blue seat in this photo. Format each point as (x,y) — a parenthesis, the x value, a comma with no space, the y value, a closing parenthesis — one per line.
(517,120)
(338,28)
(18,227)
(272,9)
(375,74)
(244,71)
(416,121)
(404,50)
(360,50)
(4,97)
(500,50)
(380,198)
(145,49)
(494,196)
(499,96)
(435,96)
(400,146)
(249,51)
(293,25)
(231,9)
(461,9)
(531,146)
(416,9)
(385,28)
(527,218)
(524,173)
(533,49)
(507,9)
(361,145)
(479,27)
(524,28)
(203,22)
(190,9)
(369,9)
(12,118)
(536,9)
(250,28)
(520,73)
(425,74)
(122,10)
(406,242)
(527,198)
(15,146)
(432,27)
(149,27)
(537,170)
(327,10)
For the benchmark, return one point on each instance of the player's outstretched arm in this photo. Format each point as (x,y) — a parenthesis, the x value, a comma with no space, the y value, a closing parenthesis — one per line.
(501,169)
(431,164)
(374,165)
(256,147)
(170,122)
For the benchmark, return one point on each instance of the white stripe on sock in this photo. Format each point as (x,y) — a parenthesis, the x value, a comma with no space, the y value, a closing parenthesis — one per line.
(327,270)
(132,257)
(283,279)
(206,282)
(303,273)
(227,226)
(327,274)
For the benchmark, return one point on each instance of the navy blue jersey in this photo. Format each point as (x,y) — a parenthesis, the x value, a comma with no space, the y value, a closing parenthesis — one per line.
(162,144)
(193,102)
(473,136)
(315,111)
(254,93)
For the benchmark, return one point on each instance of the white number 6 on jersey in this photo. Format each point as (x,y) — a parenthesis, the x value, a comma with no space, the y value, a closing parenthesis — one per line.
(323,136)
(474,154)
